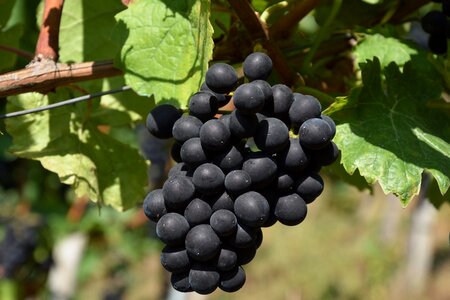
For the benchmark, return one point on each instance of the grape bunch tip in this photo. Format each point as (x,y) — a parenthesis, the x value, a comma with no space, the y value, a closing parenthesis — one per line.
(235,174)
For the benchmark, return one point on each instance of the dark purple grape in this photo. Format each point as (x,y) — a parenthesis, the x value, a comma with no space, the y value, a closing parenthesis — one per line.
(202,243)
(290,209)
(175,152)
(154,206)
(315,133)
(232,281)
(272,135)
(331,123)
(203,105)
(237,182)
(204,278)
(246,255)
(267,91)
(229,159)
(208,179)
(221,78)
(293,159)
(197,212)
(220,201)
(161,119)
(243,237)
(437,44)
(185,128)
(172,229)
(222,100)
(257,65)
(325,156)
(175,259)
(251,209)
(223,222)
(309,187)
(180,282)
(177,191)
(214,135)
(226,259)
(282,100)
(261,168)
(242,125)
(303,108)
(192,152)
(248,98)
(434,23)
(285,182)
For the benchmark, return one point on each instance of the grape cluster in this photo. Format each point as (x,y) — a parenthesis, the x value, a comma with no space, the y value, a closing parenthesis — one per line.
(437,24)
(236,173)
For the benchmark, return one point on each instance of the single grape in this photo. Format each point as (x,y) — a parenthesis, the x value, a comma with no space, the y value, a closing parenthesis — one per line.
(285,182)
(290,209)
(214,135)
(271,136)
(282,100)
(203,105)
(208,179)
(437,44)
(315,133)
(154,206)
(223,222)
(251,209)
(248,98)
(220,201)
(185,128)
(180,282)
(229,159)
(161,119)
(257,65)
(221,78)
(177,191)
(309,187)
(175,152)
(303,107)
(175,259)
(246,255)
(226,260)
(267,91)
(172,228)
(243,237)
(222,100)
(325,156)
(434,23)
(293,158)
(197,212)
(204,278)
(242,125)
(192,152)
(180,169)
(202,243)
(237,182)
(259,238)
(233,280)
(225,119)
(261,168)
(331,123)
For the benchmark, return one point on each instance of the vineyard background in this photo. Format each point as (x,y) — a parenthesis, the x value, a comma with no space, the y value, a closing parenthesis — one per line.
(357,242)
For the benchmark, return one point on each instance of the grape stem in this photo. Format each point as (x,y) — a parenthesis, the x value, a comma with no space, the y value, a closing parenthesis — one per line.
(259,33)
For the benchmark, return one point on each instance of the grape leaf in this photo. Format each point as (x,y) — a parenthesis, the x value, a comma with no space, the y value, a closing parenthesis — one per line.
(387,49)
(167,46)
(70,142)
(387,131)
(86,30)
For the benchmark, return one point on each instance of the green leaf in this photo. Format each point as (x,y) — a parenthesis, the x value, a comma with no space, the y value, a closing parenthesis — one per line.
(86,30)
(72,142)
(10,37)
(386,49)
(167,47)
(390,134)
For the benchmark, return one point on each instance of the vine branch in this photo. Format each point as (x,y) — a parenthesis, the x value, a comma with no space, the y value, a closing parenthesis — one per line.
(285,25)
(259,33)
(45,76)
(47,46)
